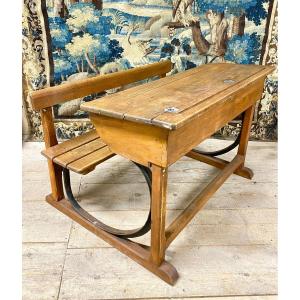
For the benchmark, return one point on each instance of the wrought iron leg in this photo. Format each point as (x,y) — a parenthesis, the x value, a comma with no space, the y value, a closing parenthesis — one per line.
(117,232)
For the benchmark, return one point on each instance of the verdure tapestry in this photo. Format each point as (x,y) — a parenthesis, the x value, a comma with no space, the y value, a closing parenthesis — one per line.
(67,40)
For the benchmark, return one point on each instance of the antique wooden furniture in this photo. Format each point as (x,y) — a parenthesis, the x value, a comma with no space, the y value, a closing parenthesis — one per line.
(154,125)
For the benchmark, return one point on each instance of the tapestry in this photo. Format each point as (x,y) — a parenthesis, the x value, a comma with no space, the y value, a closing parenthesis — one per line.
(67,40)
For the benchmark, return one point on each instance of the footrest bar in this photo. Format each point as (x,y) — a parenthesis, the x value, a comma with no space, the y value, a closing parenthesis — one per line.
(186,216)
(220,164)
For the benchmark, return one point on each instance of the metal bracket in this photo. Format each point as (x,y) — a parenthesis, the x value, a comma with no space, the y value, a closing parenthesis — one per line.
(117,232)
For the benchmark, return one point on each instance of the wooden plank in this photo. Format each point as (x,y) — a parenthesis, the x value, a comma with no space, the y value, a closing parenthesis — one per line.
(186,216)
(208,227)
(98,197)
(245,211)
(208,122)
(262,297)
(36,176)
(173,121)
(182,94)
(71,144)
(54,95)
(79,152)
(206,272)
(87,163)
(232,195)
(189,91)
(41,188)
(42,260)
(138,142)
(117,103)
(122,105)
(220,163)
(140,96)
(222,235)
(43,224)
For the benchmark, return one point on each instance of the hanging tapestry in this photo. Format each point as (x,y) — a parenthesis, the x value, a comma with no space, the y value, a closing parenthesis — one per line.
(67,40)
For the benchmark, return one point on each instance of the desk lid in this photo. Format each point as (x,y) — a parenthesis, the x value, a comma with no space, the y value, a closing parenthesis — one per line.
(172,101)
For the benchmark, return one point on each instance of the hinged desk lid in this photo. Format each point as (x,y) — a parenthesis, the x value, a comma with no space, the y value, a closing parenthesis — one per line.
(170,102)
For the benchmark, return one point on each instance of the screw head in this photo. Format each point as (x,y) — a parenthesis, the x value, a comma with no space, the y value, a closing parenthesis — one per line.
(172,109)
(229,81)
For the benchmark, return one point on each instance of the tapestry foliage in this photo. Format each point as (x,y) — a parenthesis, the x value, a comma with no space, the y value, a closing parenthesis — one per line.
(66,40)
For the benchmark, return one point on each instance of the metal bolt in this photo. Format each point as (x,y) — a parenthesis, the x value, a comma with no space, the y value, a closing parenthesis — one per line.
(229,81)
(173,110)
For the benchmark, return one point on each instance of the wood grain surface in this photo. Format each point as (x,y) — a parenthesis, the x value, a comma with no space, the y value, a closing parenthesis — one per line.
(50,96)
(184,92)
(227,252)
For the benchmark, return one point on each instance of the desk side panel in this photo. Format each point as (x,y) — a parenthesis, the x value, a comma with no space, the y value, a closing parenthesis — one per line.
(141,143)
(211,120)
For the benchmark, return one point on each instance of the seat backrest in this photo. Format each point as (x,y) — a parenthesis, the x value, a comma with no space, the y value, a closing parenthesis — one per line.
(80,88)
(44,99)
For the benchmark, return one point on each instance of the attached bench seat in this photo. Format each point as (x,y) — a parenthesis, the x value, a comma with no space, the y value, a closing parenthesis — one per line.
(81,154)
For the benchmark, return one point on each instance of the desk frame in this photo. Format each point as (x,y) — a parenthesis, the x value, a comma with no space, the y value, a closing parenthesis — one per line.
(153,257)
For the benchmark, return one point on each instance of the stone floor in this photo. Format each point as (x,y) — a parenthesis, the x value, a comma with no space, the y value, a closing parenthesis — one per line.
(228,251)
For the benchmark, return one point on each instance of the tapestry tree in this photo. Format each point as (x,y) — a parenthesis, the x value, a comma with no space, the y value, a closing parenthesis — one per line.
(81,41)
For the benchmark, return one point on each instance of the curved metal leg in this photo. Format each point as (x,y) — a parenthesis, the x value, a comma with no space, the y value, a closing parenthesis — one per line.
(117,232)
(224,150)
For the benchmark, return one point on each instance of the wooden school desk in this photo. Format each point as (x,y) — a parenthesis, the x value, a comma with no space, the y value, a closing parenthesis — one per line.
(157,123)
(153,125)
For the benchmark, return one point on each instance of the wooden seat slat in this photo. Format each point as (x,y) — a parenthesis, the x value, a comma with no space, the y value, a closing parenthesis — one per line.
(71,144)
(87,163)
(79,152)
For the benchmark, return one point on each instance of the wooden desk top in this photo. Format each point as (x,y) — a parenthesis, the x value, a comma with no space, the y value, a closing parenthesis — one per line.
(173,101)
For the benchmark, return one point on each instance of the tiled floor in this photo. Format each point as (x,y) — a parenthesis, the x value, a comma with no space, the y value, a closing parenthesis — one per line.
(228,251)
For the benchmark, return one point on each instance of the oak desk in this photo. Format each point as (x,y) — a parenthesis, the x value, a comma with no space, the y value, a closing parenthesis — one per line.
(157,123)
